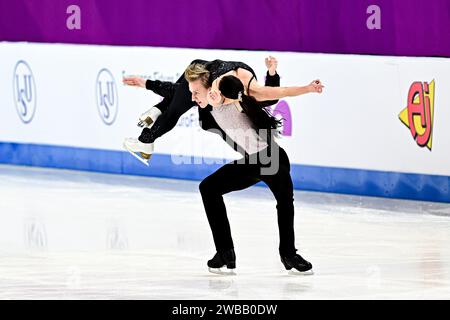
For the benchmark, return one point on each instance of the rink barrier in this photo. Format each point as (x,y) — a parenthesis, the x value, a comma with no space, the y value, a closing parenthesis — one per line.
(312,178)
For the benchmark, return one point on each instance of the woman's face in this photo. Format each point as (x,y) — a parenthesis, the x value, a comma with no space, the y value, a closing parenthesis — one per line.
(199,93)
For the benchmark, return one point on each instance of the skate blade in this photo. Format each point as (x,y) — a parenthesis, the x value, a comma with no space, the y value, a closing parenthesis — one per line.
(222,271)
(294,272)
(141,159)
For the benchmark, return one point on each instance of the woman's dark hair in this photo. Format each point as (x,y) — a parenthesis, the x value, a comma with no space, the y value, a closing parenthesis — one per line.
(232,88)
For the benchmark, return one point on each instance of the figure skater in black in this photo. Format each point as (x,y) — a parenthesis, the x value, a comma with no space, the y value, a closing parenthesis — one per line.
(247,124)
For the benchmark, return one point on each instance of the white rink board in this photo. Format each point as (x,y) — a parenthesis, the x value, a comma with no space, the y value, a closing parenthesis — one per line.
(353,124)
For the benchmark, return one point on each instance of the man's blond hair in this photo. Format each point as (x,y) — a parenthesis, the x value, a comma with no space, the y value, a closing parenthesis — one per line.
(197,71)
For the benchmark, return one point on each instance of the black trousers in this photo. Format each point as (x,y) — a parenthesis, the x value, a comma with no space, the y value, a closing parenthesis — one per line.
(179,103)
(235,176)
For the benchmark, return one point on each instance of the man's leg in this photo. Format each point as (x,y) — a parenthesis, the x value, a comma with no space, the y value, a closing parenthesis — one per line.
(181,102)
(282,188)
(231,177)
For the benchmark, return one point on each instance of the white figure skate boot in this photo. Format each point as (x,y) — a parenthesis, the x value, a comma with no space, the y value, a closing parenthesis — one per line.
(142,151)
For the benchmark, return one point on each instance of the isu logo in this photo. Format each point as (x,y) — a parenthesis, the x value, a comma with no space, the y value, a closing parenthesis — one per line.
(419,113)
(107,97)
(24,91)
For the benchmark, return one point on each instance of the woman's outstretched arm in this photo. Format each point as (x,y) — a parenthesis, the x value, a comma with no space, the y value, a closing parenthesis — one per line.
(262,93)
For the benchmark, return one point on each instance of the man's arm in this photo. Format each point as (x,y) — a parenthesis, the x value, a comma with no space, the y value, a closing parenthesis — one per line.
(165,89)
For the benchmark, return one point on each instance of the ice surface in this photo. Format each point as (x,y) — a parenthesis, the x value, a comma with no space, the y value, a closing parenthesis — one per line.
(79,235)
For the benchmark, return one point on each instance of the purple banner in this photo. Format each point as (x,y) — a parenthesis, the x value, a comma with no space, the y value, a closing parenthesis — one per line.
(386,27)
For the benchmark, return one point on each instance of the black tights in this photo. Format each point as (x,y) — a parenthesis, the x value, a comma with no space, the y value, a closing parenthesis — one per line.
(235,176)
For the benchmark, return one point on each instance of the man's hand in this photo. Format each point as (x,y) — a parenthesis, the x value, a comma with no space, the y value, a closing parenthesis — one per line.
(134,81)
(315,86)
(271,64)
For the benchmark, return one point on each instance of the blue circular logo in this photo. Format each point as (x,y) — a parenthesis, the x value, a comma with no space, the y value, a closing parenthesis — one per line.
(107,97)
(24,91)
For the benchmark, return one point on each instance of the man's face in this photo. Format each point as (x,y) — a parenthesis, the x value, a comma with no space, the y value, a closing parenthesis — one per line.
(199,93)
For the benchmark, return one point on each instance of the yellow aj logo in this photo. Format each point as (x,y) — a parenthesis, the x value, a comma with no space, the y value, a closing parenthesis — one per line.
(418,116)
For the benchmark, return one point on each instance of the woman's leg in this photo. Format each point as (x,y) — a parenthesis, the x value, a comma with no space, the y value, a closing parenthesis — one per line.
(231,177)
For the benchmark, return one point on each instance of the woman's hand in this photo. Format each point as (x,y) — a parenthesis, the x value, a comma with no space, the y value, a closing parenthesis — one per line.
(315,86)
(271,64)
(134,81)
(214,97)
